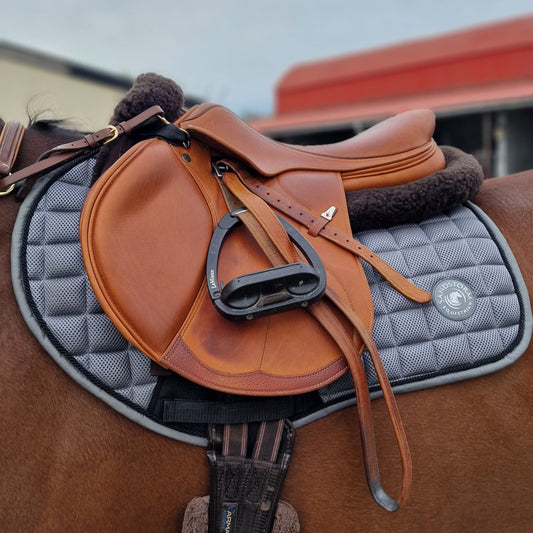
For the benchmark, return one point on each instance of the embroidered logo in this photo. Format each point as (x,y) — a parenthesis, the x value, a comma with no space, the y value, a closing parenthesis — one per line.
(454,299)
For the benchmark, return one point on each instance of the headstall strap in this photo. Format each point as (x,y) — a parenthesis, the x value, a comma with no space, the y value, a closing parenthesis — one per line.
(10,141)
(246,474)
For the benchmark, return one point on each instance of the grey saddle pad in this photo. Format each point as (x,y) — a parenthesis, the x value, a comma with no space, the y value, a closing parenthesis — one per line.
(479,320)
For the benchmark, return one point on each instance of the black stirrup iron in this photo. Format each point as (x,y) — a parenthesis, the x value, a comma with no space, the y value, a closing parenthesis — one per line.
(267,291)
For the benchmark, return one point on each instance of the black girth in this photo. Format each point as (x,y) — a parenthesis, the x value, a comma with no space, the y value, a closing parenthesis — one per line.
(247,467)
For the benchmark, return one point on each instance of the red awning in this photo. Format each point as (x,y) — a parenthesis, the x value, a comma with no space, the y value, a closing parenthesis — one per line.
(459,100)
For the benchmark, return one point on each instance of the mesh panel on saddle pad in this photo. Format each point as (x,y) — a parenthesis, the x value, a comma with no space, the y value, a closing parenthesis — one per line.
(446,253)
(479,319)
(63,299)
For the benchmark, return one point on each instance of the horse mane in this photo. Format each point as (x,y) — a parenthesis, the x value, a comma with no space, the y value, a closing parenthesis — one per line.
(51,124)
(48,125)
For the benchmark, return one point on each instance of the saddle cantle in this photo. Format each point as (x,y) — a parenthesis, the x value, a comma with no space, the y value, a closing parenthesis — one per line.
(146,229)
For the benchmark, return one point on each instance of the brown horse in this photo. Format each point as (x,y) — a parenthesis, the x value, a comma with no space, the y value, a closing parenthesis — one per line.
(68,462)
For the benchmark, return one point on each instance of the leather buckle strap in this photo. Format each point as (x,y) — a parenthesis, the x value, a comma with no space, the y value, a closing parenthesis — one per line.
(107,134)
(66,152)
(301,215)
(247,474)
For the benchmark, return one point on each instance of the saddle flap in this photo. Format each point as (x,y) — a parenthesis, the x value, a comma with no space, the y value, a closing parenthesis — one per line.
(135,260)
(145,231)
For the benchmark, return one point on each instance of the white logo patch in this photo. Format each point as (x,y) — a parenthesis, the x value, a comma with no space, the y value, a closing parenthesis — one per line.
(454,299)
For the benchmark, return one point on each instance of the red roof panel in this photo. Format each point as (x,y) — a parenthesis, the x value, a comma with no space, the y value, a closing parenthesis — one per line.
(496,95)
(474,57)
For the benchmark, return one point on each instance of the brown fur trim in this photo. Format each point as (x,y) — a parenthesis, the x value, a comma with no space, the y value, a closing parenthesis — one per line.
(379,208)
(147,90)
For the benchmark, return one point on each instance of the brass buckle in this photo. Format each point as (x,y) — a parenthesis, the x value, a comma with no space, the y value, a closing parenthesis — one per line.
(114,131)
(7,191)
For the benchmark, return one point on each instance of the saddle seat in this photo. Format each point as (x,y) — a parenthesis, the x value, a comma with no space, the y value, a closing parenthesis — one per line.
(396,151)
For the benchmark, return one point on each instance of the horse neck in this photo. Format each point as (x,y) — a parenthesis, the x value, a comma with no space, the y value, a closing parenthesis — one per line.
(39,138)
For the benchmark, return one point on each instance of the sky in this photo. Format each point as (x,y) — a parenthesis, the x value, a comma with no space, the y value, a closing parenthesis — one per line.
(232,52)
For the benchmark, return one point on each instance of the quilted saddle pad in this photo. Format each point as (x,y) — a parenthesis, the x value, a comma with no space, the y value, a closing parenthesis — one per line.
(479,320)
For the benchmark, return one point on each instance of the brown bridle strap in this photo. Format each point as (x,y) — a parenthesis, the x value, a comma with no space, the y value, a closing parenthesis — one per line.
(10,141)
(68,151)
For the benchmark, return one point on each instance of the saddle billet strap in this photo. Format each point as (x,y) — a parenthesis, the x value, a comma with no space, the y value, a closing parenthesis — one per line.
(304,217)
(68,151)
(246,480)
(10,141)
(325,316)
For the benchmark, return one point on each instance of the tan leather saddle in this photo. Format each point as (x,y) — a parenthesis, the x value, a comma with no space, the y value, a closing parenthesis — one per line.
(270,299)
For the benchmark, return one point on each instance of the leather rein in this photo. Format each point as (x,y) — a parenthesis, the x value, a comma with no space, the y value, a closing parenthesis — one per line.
(13,133)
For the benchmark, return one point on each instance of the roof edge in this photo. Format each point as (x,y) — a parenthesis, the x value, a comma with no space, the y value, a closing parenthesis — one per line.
(50,62)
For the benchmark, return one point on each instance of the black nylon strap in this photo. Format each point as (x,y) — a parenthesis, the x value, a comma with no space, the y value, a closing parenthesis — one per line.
(216,412)
(166,132)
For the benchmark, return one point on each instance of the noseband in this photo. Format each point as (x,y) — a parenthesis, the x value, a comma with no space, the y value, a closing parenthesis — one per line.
(10,141)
